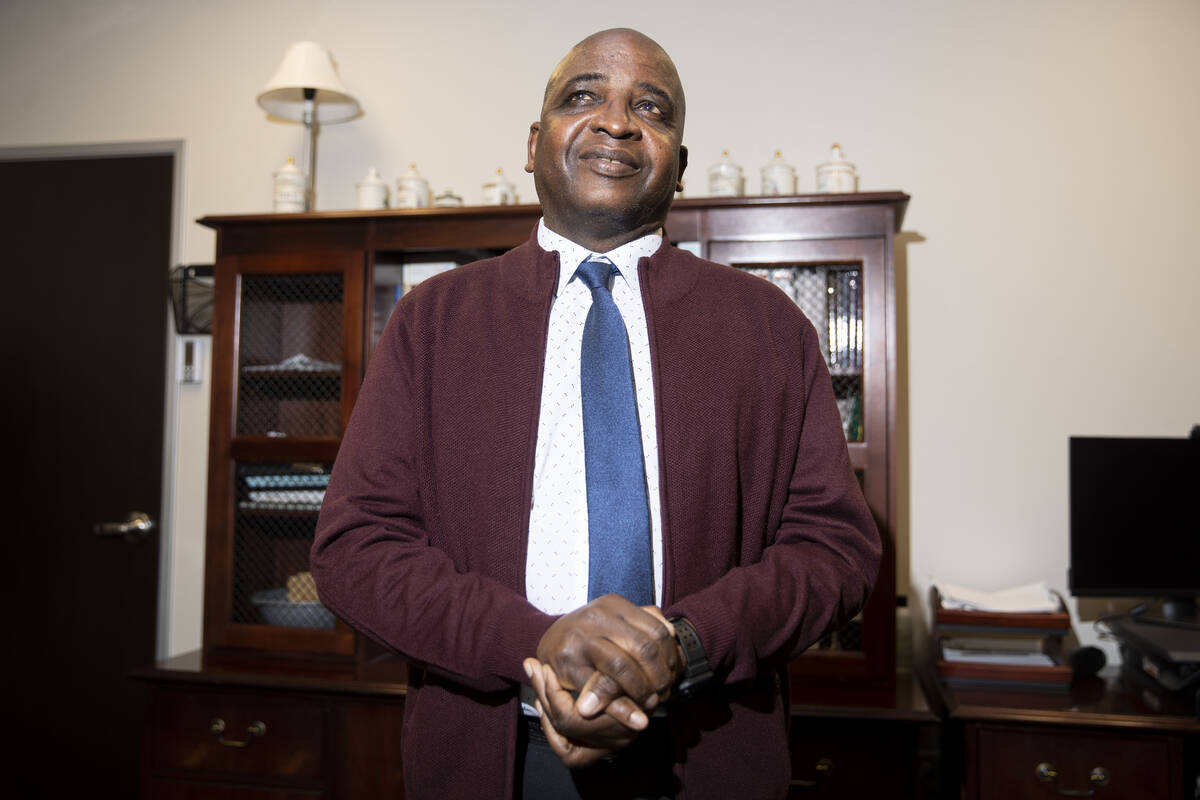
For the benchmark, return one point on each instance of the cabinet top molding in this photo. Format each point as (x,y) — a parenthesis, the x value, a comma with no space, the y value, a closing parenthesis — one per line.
(898,200)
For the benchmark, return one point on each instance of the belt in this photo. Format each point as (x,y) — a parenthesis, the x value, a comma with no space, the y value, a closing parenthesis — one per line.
(533,729)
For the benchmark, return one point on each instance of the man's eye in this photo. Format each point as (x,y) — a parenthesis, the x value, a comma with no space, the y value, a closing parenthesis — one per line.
(575,98)
(650,107)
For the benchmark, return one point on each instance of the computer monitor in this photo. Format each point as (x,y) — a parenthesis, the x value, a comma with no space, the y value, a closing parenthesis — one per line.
(1135,520)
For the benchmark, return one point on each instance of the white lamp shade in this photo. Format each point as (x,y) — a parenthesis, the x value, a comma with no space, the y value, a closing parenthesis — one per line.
(308,65)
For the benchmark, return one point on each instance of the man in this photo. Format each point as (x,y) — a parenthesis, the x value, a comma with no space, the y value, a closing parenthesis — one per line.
(462,521)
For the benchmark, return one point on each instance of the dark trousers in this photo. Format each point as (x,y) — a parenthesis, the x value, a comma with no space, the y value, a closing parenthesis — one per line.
(640,772)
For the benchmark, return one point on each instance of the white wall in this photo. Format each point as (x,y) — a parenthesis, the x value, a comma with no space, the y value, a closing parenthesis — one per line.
(1050,150)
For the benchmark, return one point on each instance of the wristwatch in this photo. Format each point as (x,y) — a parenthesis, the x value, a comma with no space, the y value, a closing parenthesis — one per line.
(697,675)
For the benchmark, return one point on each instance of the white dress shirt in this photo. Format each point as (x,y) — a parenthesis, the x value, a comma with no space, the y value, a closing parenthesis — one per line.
(556,565)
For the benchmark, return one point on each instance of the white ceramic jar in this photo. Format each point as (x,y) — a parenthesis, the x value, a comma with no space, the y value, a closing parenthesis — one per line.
(499,191)
(372,191)
(289,189)
(412,191)
(725,178)
(778,177)
(837,174)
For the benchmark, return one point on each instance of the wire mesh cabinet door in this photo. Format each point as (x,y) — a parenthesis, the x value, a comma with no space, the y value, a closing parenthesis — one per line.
(287,363)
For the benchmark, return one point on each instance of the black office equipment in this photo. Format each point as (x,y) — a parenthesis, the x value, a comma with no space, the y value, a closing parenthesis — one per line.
(1135,520)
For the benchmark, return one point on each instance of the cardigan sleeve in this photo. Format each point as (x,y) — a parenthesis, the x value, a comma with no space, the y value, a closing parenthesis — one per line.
(820,550)
(373,559)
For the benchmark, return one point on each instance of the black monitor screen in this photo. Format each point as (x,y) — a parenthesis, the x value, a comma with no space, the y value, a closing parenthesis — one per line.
(1135,517)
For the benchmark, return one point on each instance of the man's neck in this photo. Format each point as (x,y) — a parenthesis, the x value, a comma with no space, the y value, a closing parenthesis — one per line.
(600,241)
(551,239)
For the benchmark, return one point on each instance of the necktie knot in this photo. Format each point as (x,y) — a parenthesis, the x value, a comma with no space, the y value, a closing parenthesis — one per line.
(594,273)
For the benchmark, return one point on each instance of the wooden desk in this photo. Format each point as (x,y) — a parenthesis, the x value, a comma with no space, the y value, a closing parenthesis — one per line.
(1111,737)
(272,729)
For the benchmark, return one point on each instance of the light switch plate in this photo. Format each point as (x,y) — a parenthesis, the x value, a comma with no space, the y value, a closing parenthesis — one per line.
(191,354)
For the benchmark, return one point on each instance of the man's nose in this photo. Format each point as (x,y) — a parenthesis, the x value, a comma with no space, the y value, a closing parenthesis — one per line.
(616,119)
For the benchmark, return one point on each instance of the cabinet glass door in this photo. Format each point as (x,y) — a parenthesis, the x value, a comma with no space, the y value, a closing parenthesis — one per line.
(830,295)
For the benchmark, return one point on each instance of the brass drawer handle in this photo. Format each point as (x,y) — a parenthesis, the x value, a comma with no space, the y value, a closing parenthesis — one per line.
(823,767)
(1046,773)
(255,730)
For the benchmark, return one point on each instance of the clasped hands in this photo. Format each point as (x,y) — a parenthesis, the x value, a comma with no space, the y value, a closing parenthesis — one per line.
(623,659)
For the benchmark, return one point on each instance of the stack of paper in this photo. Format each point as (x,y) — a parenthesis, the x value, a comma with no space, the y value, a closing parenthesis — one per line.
(1031,598)
(1010,638)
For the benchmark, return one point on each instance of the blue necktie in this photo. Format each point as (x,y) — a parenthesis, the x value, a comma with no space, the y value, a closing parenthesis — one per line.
(619,557)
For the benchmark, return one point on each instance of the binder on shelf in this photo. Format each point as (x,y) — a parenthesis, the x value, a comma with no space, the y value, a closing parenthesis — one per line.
(1000,649)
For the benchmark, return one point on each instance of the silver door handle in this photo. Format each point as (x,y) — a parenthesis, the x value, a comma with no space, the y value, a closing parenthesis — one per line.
(137,526)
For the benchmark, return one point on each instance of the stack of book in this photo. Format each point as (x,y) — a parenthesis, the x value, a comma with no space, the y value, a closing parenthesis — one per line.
(1019,646)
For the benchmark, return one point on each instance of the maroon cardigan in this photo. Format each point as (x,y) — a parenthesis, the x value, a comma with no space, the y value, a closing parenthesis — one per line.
(421,542)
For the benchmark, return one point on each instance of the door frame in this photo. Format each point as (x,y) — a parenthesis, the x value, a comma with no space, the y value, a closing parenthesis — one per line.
(166,520)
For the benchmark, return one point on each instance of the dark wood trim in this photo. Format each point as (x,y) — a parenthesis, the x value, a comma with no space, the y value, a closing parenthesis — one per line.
(388,676)
(894,198)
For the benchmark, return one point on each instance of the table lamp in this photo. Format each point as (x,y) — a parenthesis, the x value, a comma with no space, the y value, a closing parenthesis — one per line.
(306,88)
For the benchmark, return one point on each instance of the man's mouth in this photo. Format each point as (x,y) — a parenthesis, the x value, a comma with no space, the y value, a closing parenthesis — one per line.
(610,162)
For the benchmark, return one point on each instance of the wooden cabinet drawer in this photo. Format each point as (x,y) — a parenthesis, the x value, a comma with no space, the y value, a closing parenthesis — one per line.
(855,758)
(1014,761)
(236,733)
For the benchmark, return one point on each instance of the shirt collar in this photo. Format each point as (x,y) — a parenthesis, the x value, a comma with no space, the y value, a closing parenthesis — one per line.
(571,254)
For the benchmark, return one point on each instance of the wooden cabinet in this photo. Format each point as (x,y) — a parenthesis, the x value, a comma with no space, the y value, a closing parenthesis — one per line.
(299,301)
(301,298)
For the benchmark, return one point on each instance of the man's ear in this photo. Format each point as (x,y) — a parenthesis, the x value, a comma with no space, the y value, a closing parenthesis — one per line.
(531,146)
(682,167)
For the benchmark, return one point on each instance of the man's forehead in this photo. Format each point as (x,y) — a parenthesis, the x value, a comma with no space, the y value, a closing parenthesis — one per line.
(597,56)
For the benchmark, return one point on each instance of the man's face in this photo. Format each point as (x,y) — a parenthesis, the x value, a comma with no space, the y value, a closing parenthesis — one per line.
(606,154)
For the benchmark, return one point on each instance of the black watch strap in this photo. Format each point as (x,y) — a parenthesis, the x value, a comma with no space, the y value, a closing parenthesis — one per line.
(697,675)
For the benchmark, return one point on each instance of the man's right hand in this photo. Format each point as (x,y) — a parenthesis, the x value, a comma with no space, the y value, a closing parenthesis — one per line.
(612,649)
